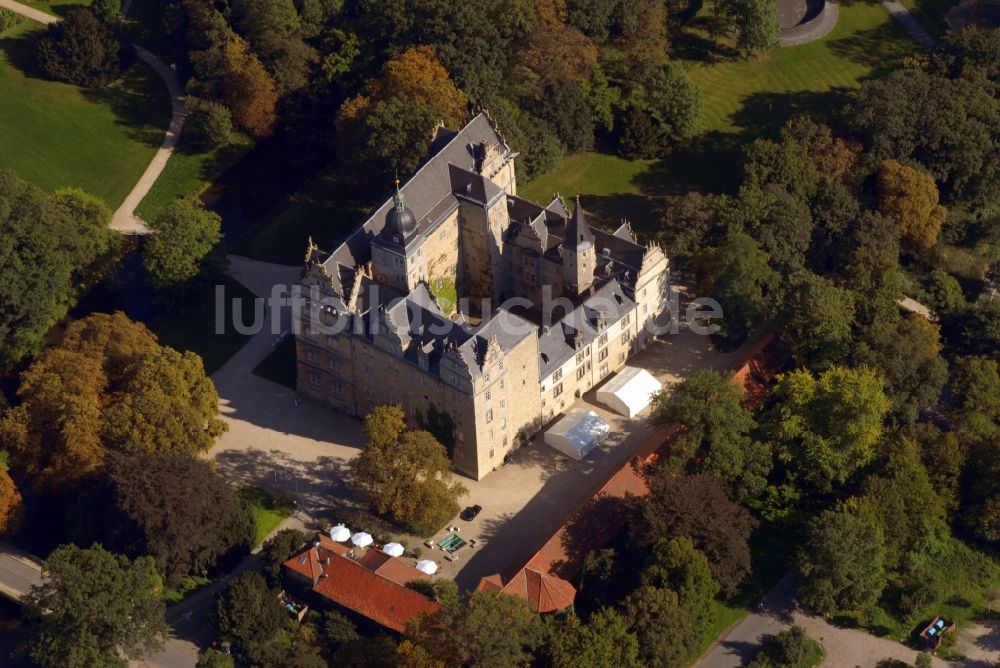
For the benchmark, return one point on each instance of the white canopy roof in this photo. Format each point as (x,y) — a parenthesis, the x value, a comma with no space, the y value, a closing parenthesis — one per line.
(340,533)
(629,391)
(393,549)
(362,539)
(578,433)
(427,566)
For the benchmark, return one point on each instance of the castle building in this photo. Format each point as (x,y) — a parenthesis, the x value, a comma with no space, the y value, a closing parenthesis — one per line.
(481,313)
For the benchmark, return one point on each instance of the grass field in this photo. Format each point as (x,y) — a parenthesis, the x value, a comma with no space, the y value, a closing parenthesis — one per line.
(192,327)
(188,172)
(268,510)
(54,134)
(741,100)
(757,95)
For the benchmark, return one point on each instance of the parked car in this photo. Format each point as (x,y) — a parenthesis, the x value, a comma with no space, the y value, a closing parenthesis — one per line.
(470,513)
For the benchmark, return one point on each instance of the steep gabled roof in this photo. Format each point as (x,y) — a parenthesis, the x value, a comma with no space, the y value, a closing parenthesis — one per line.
(578,234)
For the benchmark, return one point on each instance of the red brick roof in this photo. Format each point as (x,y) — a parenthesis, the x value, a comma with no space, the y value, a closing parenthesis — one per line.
(598,516)
(545,593)
(366,591)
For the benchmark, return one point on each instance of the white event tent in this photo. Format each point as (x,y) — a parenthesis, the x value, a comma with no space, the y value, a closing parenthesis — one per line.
(578,433)
(629,391)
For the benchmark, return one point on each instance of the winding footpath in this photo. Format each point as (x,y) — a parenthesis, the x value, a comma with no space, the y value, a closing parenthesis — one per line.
(906,19)
(124,219)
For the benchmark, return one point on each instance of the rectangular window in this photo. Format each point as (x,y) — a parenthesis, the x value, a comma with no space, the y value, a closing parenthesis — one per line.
(314,379)
(604,370)
(503,403)
(602,355)
(370,390)
(492,453)
(489,415)
(501,383)
(621,357)
(557,375)
(580,373)
(626,335)
(601,341)
(626,319)
(334,363)
(311,355)
(487,395)
(503,423)
(337,387)
(579,357)
(557,390)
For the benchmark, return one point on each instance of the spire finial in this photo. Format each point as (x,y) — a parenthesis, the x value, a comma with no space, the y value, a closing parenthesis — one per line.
(398,198)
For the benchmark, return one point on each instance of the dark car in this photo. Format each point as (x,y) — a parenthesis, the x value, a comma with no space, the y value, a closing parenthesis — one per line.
(470,513)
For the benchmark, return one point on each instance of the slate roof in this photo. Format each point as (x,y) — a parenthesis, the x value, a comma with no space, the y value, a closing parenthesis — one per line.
(427,192)
(578,234)
(378,594)
(558,343)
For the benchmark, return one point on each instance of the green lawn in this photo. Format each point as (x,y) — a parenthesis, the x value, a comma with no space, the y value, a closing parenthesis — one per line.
(268,510)
(192,327)
(188,172)
(757,95)
(741,100)
(55,7)
(279,366)
(321,210)
(54,134)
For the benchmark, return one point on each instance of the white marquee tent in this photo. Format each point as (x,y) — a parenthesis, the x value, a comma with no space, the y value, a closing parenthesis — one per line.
(578,433)
(629,391)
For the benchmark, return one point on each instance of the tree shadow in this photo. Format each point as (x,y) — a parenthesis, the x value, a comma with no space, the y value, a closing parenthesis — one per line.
(139,101)
(20,52)
(880,48)
(763,114)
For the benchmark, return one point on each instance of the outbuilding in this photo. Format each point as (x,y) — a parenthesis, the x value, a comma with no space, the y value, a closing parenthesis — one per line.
(576,434)
(630,391)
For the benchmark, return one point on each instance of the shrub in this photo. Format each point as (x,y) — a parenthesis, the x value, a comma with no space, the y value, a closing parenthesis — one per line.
(211,125)
(82,50)
(9,19)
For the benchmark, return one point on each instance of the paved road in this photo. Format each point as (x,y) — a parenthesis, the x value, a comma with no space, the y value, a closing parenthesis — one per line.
(19,572)
(124,219)
(845,648)
(905,18)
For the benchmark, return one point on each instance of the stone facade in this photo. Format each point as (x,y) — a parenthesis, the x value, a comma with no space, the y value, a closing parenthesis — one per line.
(547,309)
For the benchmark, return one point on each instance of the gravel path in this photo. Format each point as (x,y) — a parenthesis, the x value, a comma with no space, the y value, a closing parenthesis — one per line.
(124,219)
(845,648)
(905,18)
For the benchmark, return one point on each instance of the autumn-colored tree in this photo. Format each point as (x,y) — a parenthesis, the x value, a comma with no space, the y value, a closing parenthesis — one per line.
(248,89)
(389,127)
(910,197)
(405,474)
(107,386)
(553,51)
(11,509)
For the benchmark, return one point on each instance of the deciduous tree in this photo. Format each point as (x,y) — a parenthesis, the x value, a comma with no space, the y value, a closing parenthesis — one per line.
(738,276)
(11,508)
(910,197)
(826,427)
(698,508)
(81,49)
(406,474)
(107,386)
(817,318)
(605,640)
(248,614)
(717,432)
(174,508)
(248,89)
(185,233)
(95,608)
(485,629)
(843,560)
